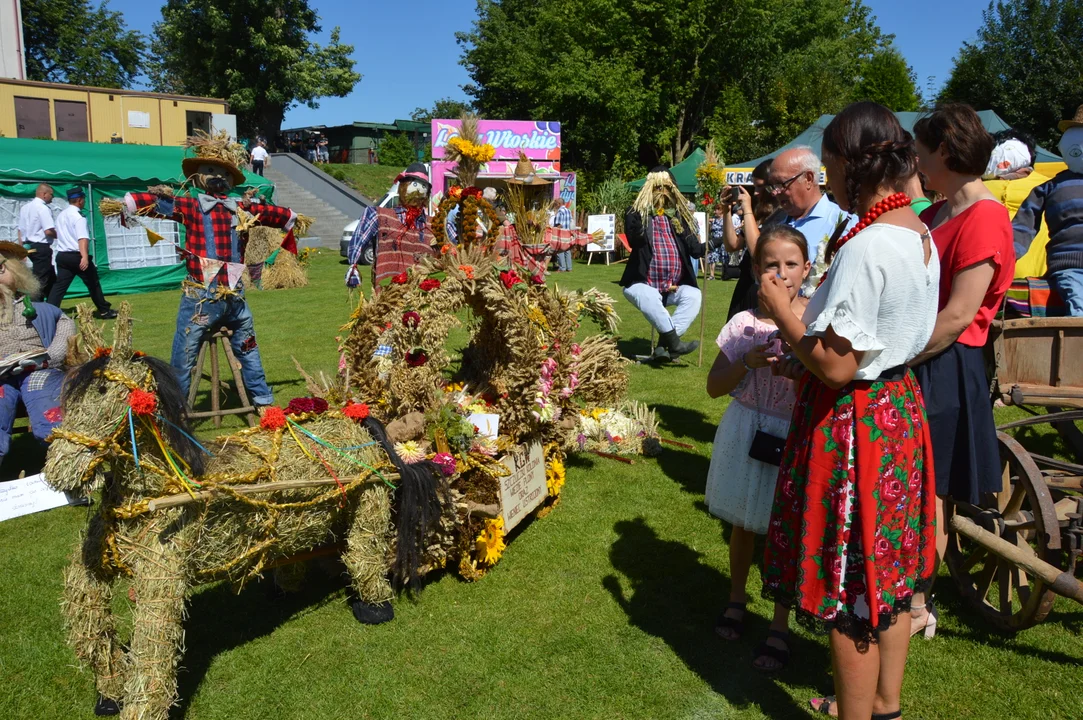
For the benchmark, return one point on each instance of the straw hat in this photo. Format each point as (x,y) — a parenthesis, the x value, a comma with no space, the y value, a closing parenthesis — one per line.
(218,150)
(1076,121)
(525,173)
(13,250)
(190,166)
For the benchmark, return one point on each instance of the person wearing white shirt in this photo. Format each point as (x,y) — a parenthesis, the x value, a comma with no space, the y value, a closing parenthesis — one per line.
(73,256)
(36,233)
(259,158)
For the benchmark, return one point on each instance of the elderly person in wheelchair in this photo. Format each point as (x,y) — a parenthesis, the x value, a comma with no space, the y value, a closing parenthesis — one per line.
(33,345)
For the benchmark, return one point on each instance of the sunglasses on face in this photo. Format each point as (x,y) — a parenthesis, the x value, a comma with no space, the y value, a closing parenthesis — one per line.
(779,188)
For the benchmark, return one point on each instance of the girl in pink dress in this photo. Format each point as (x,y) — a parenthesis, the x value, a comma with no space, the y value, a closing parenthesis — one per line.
(741,480)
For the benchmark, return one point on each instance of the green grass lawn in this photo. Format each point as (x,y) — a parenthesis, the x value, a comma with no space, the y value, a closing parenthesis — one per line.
(372,181)
(602,609)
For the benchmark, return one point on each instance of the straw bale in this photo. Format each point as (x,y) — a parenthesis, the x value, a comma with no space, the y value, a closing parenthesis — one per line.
(262,242)
(369,545)
(285,272)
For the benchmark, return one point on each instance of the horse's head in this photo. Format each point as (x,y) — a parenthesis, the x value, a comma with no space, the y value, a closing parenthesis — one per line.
(117,398)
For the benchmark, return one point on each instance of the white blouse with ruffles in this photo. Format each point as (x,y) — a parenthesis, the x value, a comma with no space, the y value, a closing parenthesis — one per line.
(879,295)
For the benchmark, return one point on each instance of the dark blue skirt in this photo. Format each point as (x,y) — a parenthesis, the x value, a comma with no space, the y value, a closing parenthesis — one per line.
(960,411)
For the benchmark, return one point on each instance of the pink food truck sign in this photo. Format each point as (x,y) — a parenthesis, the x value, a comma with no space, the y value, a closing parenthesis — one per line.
(537,139)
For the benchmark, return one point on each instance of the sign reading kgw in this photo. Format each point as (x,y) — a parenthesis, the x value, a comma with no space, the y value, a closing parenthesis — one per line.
(524,489)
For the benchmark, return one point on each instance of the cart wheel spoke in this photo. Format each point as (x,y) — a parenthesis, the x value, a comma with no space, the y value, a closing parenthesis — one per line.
(974,559)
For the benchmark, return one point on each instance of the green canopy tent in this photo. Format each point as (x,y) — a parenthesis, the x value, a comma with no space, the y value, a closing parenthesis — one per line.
(684,172)
(812,136)
(126,261)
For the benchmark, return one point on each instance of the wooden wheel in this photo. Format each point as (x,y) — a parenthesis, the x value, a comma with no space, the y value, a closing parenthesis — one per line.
(1023,514)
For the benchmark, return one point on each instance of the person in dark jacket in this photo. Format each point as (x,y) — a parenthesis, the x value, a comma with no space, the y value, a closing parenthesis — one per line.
(663,236)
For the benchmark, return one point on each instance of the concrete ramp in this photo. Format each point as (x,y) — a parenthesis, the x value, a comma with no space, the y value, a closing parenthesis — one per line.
(308,190)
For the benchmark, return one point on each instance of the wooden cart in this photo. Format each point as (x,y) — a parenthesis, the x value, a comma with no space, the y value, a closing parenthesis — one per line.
(1020,548)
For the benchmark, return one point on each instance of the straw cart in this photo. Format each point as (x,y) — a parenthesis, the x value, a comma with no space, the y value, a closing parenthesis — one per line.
(1014,554)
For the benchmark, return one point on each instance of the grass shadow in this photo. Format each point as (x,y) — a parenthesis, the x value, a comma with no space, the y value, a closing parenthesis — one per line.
(25,456)
(219,620)
(685,467)
(677,600)
(685,422)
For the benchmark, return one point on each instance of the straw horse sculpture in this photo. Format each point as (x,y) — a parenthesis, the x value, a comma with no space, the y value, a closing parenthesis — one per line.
(174,514)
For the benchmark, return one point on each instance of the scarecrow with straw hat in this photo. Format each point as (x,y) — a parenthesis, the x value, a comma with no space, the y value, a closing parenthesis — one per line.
(214,223)
(529,241)
(33,346)
(400,236)
(664,238)
(1059,201)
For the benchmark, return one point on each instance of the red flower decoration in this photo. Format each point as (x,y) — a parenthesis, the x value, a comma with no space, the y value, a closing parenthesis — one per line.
(142,402)
(455,192)
(472,191)
(299,406)
(356,411)
(400,279)
(468,270)
(102,352)
(538,279)
(273,418)
(510,278)
(411,319)
(429,284)
(416,357)
(707,200)
(54,414)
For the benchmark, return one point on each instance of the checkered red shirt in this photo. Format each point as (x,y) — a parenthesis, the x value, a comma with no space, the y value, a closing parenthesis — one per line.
(534,258)
(665,269)
(186,211)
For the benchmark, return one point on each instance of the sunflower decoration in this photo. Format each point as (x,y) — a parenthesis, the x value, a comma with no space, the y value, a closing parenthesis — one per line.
(554,475)
(470,153)
(490,542)
(710,178)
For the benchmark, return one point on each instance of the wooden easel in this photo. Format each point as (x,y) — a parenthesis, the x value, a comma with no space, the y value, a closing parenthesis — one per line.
(211,343)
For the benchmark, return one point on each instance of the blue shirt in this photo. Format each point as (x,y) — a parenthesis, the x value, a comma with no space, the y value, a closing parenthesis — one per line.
(563,218)
(820,223)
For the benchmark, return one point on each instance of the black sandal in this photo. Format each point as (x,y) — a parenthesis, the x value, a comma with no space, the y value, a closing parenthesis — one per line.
(770,651)
(826,704)
(737,625)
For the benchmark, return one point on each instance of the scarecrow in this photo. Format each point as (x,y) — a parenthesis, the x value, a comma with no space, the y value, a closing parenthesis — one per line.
(528,240)
(1057,201)
(1010,176)
(33,345)
(214,223)
(403,231)
(663,235)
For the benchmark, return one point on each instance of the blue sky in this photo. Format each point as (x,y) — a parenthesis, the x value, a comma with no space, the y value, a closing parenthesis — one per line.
(396,80)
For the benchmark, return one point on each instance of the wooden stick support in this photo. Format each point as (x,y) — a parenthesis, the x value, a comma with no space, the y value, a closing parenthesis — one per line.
(612,456)
(675,443)
(1062,583)
(485,511)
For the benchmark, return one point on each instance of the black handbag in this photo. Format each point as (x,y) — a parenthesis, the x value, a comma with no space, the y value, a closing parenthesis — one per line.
(767,448)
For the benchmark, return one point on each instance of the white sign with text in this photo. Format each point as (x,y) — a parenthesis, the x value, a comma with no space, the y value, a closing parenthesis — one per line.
(524,489)
(608,225)
(28,495)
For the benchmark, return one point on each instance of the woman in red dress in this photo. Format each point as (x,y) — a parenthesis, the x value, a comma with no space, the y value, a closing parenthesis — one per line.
(973,236)
(851,535)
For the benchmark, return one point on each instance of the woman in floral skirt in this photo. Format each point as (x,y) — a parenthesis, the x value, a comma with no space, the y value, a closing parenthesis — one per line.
(851,535)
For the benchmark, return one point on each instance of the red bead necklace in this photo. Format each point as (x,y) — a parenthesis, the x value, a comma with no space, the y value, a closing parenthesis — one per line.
(891,202)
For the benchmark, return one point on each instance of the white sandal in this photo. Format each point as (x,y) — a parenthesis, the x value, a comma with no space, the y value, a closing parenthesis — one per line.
(930,623)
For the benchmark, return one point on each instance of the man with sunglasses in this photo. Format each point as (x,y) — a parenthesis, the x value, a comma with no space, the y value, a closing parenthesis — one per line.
(794,179)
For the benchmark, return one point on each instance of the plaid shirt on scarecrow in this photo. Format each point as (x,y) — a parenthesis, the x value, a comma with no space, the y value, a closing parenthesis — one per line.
(665,269)
(534,258)
(185,210)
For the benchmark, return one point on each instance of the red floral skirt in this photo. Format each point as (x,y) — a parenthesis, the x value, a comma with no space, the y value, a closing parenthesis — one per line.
(852,532)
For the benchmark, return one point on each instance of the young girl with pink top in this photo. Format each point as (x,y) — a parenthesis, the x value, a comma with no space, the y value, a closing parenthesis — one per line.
(750,437)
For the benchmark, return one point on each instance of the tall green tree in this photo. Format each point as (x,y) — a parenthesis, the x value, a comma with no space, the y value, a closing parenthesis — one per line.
(257,54)
(886,78)
(652,79)
(396,150)
(1026,64)
(70,41)
(442,108)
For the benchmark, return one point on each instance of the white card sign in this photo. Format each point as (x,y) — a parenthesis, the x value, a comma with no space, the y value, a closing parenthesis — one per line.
(608,225)
(524,489)
(28,495)
(701,222)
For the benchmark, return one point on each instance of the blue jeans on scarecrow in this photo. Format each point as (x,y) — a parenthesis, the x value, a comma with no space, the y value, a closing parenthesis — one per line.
(40,394)
(200,315)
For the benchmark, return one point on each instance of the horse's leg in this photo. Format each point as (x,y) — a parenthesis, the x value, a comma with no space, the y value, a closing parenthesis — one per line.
(157,563)
(92,634)
(367,550)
